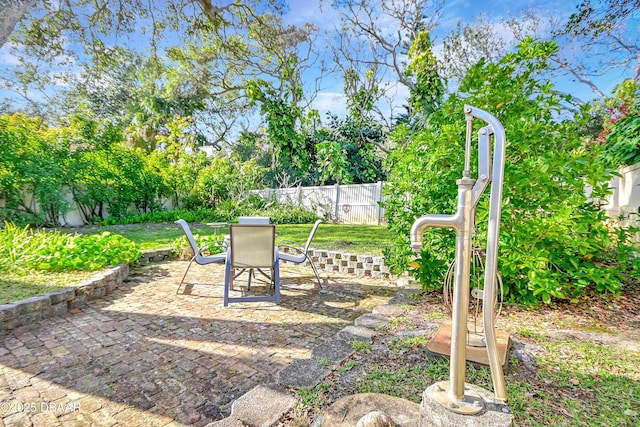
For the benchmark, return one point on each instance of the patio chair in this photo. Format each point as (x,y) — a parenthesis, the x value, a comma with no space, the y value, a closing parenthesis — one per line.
(252,247)
(198,256)
(301,255)
(253,220)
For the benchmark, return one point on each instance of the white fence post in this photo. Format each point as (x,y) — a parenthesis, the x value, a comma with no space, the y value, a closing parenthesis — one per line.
(378,200)
(336,201)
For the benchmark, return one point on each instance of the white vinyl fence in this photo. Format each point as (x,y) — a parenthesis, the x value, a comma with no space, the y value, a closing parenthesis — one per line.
(359,204)
(625,200)
(346,204)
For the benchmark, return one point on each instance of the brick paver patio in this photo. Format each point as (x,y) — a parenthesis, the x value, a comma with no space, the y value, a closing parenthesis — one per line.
(145,355)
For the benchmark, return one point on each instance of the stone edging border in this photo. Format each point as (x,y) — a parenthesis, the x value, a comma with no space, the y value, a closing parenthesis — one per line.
(57,303)
(31,310)
(351,263)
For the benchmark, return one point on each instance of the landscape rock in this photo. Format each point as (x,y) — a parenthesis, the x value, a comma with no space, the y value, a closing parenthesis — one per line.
(262,406)
(349,410)
(376,419)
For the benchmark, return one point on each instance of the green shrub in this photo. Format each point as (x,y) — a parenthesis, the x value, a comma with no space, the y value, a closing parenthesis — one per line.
(623,143)
(555,243)
(195,215)
(35,161)
(225,211)
(283,214)
(55,251)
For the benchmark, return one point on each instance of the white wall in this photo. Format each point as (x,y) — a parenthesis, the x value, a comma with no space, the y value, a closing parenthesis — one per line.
(625,198)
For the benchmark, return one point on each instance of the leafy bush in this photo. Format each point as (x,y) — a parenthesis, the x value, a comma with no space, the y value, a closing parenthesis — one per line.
(555,242)
(284,214)
(33,161)
(195,215)
(55,251)
(346,151)
(620,133)
(225,211)
(623,143)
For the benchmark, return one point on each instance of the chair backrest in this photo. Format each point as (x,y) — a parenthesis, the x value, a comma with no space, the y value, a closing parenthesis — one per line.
(253,220)
(187,232)
(252,245)
(313,232)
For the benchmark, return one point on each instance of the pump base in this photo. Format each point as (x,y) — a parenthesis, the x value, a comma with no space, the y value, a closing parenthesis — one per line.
(470,404)
(494,413)
(441,344)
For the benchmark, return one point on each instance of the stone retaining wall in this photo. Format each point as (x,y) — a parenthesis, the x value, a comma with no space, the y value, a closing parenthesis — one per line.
(360,265)
(34,309)
(30,310)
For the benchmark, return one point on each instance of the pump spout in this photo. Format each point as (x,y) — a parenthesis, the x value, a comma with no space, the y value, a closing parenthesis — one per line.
(432,220)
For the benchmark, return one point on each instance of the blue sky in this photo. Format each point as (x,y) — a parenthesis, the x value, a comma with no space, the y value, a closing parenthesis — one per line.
(320,13)
(453,11)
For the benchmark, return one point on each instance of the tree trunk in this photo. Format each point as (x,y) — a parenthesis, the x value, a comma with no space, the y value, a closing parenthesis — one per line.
(11,11)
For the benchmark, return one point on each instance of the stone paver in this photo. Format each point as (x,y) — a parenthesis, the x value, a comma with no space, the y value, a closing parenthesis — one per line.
(147,356)
(263,406)
(303,373)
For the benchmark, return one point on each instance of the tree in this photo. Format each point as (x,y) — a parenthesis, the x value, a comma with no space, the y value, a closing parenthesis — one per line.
(599,30)
(347,151)
(13,12)
(593,41)
(104,176)
(33,171)
(371,46)
(428,90)
(284,122)
(555,243)
(83,46)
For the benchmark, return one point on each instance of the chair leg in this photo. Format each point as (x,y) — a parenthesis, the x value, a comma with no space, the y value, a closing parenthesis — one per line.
(315,270)
(185,274)
(228,282)
(276,282)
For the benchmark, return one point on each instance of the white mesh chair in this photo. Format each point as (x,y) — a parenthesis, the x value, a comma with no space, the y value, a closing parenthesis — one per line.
(253,220)
(252,246)
(198,257)
(299,255)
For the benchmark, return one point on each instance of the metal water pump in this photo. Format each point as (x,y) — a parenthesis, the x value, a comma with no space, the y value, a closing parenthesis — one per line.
(451,393)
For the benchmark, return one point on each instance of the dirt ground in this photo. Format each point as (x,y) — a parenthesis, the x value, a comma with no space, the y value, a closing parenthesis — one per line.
(612,322)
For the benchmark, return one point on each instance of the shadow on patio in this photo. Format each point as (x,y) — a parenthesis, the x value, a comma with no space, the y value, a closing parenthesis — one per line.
(146,356)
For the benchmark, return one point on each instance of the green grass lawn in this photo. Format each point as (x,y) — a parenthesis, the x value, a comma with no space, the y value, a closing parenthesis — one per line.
(366,239)
(19,284)
(363,239)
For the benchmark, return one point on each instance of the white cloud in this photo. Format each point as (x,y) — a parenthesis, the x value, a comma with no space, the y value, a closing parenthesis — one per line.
(334,102)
